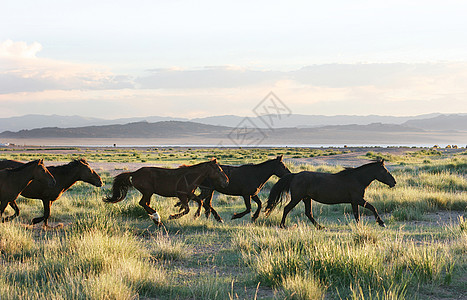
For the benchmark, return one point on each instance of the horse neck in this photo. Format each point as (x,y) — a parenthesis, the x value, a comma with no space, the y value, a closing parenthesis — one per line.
(199,172)
(262,172)
(22,178)
(364,175)
(64,178)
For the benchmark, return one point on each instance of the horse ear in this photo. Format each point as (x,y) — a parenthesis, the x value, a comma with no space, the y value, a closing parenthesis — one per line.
(280,157)
(41,161)
(214,160)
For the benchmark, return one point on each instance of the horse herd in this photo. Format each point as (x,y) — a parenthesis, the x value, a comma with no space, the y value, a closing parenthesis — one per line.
(34,180)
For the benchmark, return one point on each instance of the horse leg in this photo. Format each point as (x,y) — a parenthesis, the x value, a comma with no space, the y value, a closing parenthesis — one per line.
(367,205)
(144,202)
(293,202)
(258,210)
(46,215)
(247,200)
(208,209)
(309,213)
(3,206)
(200,203)
(185,206)
(15,207)
(355,212)
(207,198)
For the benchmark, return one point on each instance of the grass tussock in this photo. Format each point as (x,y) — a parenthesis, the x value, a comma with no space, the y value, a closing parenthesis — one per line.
(15,242)
(303,287)
(165,247)
(91,264)
(373,262)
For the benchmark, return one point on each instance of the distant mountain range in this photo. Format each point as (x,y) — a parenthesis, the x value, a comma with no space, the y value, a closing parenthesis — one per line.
(164,129)
(429,121)
(235,130)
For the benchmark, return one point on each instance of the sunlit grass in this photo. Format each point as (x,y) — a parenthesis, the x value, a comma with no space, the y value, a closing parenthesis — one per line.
(114,251)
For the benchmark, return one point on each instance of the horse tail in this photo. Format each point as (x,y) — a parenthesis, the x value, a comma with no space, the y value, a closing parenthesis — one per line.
(277,192)
(121,184)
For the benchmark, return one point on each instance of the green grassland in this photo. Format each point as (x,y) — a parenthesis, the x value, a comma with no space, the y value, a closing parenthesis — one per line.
(164,155)
(114,251)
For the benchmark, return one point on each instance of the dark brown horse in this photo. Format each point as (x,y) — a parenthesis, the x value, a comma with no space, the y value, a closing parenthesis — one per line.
(65,175)
(347,186)
(245,181)
(14,181)
(180,182)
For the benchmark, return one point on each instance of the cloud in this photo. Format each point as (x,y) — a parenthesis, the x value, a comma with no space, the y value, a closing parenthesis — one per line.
(22,71)
(12,49)
(208,77)
(396,88)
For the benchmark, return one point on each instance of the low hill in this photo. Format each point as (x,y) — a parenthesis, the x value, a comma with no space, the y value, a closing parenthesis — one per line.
(191,133)
(267,121)
(165,129)
(441,123)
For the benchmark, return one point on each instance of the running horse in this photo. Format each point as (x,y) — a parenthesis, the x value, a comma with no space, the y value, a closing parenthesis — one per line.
(246,181)
(14,180)
(347,186)
(65,176)
(180,182)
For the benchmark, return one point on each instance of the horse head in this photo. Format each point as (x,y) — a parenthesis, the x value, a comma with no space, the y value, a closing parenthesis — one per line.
(383,175)
(217,174)
(280,168)
(87,174)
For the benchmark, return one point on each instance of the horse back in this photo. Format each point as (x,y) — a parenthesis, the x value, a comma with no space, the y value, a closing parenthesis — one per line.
(322,187)
(162,181)
(241,181)
(5,164)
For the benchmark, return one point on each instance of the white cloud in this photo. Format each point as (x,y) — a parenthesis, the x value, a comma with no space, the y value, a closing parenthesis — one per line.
(12,49)
(22,71)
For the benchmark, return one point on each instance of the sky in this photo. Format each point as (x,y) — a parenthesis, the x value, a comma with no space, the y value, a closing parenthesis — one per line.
(114,59)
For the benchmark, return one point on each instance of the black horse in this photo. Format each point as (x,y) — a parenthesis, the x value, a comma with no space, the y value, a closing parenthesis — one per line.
(245,181)
(65,176)
(347,186)
(180,182)
(14,180)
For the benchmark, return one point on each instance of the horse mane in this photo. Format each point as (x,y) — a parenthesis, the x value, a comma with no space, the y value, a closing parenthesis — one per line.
(77,162)
(260,164)
(72,164)
(191,166)
(20,168)
(195,165)
(350,170)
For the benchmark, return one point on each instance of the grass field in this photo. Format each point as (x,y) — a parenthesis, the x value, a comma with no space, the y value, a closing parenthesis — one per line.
(114,251)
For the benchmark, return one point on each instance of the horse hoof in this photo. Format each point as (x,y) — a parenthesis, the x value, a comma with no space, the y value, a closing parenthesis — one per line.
(237,216)
(220,221)
(319,227)
(382,224)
